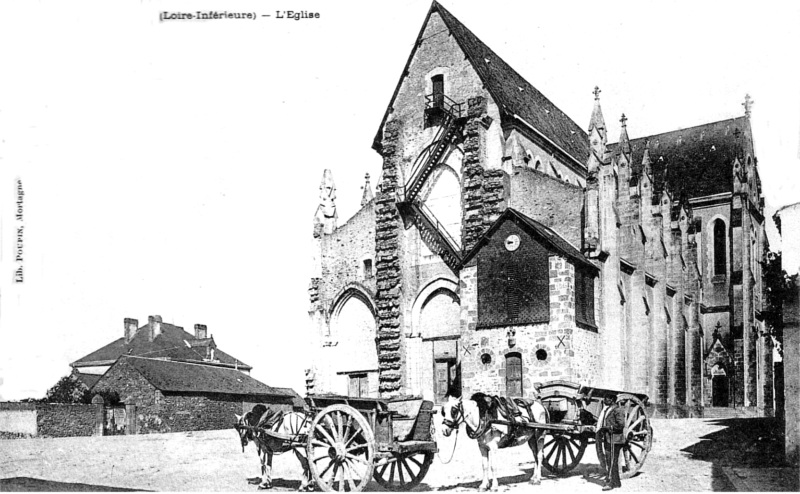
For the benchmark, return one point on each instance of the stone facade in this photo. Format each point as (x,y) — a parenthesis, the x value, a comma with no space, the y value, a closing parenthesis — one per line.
(666,279)
(160,410)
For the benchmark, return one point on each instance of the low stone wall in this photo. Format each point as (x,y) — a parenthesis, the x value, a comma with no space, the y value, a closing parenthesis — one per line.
(49,419)
(63,420)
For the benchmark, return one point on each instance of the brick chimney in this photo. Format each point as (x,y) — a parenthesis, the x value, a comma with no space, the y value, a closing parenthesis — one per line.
(131,325)
(200,331)
(154,323)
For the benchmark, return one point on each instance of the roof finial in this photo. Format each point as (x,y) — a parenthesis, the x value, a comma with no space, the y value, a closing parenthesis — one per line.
(748,105)
(623,119)
(366,197)
(597,123)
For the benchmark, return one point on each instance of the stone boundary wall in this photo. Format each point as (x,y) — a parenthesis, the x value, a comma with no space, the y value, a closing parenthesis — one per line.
(49,419)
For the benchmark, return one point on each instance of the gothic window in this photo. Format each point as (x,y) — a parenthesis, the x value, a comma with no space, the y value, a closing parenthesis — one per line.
(513,374)
(720,258)
(367,269)
(438,91)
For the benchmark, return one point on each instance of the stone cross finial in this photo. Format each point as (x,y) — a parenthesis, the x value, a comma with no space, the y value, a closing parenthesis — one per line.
(366,196)
(596,92)
(623,119)
(748,105)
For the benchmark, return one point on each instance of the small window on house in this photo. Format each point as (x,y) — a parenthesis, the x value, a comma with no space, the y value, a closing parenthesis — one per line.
(541,354)
(720,258)
(367,269)
(358,385)
(514,374)
(512,291)
(438,91)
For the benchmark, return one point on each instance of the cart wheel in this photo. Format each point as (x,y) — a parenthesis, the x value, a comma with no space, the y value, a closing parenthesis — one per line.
(341,449)
(562,451)
(639,438)
(403,471)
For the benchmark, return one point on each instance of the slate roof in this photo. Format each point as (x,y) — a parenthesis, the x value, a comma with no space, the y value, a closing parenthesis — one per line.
(700,165)
(87,379)
(543,233)
(510,91)
(171,343)
(171,376)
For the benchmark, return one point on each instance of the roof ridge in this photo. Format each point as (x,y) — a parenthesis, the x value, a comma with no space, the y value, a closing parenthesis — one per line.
(513,70)
(682,129)
(492,52)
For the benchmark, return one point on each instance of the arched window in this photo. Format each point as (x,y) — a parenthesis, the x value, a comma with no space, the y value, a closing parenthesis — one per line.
(513,374)
(720,258)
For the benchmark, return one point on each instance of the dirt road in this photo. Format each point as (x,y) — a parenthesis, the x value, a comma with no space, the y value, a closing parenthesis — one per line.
(687,455)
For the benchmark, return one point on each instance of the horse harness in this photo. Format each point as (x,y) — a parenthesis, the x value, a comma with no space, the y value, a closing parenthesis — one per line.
(508,408)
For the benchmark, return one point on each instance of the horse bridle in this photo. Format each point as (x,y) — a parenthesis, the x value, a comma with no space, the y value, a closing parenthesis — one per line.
(458,418)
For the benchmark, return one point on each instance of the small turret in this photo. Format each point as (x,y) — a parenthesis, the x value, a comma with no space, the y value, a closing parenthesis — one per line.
(326,216)
(624,141)
(597,135)
(367,196)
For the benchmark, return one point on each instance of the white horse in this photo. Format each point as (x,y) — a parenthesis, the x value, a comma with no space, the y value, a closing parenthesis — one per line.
(289,429)
(478,412)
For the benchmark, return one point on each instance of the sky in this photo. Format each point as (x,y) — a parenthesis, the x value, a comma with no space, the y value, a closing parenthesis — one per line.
(173,167)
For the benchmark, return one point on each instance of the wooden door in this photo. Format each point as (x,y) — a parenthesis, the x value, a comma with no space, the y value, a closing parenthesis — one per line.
(514,375)
(442,379)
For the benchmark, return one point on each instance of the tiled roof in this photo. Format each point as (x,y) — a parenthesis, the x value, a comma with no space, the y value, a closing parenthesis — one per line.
(699,160)
(543,233)
(170,376)
(171,343)
(510,91)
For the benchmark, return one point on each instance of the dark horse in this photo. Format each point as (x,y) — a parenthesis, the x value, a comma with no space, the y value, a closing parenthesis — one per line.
(287,430)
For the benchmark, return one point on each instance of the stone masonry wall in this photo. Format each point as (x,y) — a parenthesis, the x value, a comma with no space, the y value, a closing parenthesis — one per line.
(388,271)
(556,350)
(190,412)
(551,202)
(473,222)
(344,251)
(65,420)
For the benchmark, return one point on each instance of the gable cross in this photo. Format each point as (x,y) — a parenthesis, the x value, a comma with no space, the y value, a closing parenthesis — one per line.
(748,105)
(596,92)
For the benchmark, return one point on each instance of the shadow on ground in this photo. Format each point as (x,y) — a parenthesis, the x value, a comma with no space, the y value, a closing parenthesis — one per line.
(743,443)
(28,484)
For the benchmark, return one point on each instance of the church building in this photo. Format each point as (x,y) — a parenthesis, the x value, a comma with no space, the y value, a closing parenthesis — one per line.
(506,245)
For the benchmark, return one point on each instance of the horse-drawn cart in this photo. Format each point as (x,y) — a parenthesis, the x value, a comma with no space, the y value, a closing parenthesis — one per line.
(348,441)
(574,410)
(354,439)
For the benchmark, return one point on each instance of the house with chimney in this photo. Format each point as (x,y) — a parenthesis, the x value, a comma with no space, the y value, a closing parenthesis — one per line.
(169,380)
(160,340)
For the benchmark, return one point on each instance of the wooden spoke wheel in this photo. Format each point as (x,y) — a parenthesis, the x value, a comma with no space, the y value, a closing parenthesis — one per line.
(403,471)
(638,438)
(341,449)
(563,451)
